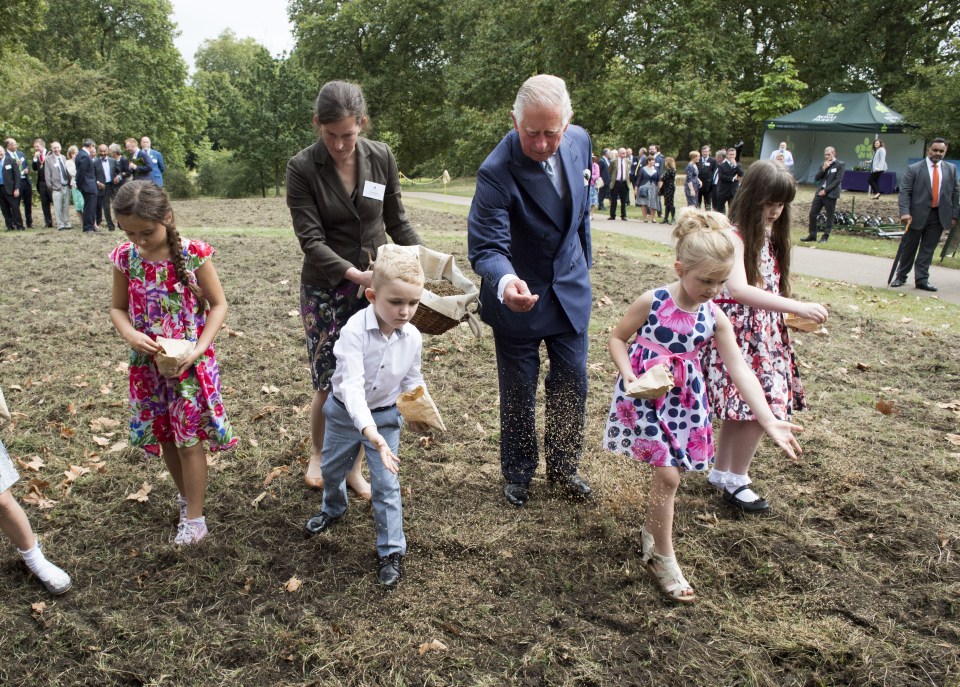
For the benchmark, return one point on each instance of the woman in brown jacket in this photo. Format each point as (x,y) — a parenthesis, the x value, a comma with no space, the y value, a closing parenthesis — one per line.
(344,197)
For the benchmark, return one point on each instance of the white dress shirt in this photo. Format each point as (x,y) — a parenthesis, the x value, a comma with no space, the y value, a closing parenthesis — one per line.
(373,369)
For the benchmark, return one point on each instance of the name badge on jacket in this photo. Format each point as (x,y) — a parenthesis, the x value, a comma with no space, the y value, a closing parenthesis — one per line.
(372,189)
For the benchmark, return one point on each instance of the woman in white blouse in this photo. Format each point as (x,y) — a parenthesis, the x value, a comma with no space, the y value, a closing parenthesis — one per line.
(878,167)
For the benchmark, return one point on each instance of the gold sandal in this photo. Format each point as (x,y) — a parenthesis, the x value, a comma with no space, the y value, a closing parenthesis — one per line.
(670,581)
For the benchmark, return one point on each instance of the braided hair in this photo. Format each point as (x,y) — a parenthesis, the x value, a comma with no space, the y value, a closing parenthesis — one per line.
(146,200)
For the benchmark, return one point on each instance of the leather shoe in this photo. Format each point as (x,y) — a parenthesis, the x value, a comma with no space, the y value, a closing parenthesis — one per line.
(573,486)
(516,493)
(758,506)
(926,286)
(811,237)
(824,238)
(390,570)
(897,282)
(319,523)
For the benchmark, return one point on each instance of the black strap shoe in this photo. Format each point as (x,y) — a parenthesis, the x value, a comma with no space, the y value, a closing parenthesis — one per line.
(391,570)
(320,522)
(758,506)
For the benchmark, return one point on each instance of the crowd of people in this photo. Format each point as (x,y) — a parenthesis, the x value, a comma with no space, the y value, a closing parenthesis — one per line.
(708,183)
(716,333)
(87,177)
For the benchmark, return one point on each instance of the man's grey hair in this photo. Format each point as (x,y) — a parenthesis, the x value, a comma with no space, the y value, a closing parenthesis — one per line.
(544,90)
(115,148)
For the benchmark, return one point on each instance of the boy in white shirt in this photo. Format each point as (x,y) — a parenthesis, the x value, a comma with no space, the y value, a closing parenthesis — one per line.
(378,356)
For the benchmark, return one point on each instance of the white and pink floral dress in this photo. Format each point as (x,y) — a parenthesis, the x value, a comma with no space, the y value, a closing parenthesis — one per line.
(674,430)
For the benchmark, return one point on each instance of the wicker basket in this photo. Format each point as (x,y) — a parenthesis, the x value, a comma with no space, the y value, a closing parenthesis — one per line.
(429,321)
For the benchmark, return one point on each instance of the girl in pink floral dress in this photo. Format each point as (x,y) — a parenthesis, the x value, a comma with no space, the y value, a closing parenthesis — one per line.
(669,325)
(755,298)
(166,286)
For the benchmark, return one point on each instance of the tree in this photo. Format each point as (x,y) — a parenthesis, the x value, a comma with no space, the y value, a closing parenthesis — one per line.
(779,94)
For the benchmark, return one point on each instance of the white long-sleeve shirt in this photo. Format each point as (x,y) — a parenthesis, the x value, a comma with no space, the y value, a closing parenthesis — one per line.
(373,369)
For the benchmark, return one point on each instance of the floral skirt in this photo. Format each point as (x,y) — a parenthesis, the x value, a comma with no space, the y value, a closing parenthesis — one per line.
(324,312)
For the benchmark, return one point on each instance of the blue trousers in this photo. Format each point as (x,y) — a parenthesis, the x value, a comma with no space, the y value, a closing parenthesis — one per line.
(341,443)
(518,370)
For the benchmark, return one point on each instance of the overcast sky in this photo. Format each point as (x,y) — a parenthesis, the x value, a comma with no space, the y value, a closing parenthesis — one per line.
(263,20)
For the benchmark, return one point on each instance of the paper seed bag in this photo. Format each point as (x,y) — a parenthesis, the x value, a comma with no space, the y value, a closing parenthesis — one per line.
(174,352)
(653,383)
(418,406)
(803,324)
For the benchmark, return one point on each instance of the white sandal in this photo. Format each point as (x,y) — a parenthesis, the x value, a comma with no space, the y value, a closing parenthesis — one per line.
(669,579)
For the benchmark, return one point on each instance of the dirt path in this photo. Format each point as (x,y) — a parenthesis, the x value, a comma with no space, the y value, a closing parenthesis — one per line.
(863,270)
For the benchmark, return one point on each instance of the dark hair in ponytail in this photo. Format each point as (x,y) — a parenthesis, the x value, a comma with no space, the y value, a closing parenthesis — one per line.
(146,200)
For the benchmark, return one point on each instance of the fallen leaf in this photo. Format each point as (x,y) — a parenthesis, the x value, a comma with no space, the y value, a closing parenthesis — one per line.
(293,313)
(38,500)
(481,429)
(67,432)
(253,442)
(954,439)
(101,441)
(425,441)
(15,387)
(435,645)
(74,472)
(106,389)
(906,320)
(37,485)
(141,495)
(293,584)
(247,585)
(103,424)
(952,405)
(276,472)
(34,465)
(261,497)
(853,307)
(863,367)
(119,446)
(886,407)
(122,367)
(604,301)
(37,609)
(72,409)
(269,389)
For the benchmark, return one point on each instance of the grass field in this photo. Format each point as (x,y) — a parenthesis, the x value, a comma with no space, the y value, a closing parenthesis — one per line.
(852,579)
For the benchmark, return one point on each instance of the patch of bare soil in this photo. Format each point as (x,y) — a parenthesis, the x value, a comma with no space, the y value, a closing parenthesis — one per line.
(851,580)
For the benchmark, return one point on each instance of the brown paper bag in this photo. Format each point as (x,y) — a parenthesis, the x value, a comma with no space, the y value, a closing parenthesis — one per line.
(802,324)
(4,411)
(174,352)
(418,406)
(654,383)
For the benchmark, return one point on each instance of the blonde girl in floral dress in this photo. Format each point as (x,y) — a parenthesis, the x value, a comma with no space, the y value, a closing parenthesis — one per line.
(669,326)
(164,285)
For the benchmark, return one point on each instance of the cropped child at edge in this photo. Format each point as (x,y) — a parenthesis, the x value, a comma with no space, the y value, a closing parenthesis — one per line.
(378,357)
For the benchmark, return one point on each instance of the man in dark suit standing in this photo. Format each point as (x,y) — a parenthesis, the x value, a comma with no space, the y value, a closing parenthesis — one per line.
(105,170)
(11,185)
(39,160)
(828,180)
(729,174)
(528,234)
(705,169)
(604,192)
(929,203)
(87,184)
(619,180)
(140,165)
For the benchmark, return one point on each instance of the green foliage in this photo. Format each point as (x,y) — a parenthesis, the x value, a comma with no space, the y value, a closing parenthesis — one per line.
(222,173)
(179,184)
(932,102)
(780,93)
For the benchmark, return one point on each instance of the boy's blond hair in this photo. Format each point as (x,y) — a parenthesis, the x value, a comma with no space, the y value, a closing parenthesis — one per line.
(396,263)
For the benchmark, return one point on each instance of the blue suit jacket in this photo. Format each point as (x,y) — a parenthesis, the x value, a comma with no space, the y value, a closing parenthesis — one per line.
(518,224)
(140,165)
(158,167)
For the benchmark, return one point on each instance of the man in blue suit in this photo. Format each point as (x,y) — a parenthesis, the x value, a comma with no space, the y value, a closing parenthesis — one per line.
(87,184)
(140,165)
(157,165)
(529,240)
(926,208)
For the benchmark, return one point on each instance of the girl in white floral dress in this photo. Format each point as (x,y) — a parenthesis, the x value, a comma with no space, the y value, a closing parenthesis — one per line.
(669,325)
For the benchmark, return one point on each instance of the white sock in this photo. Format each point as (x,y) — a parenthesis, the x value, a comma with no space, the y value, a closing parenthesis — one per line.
(735,481)
(718,478)
(41,567)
